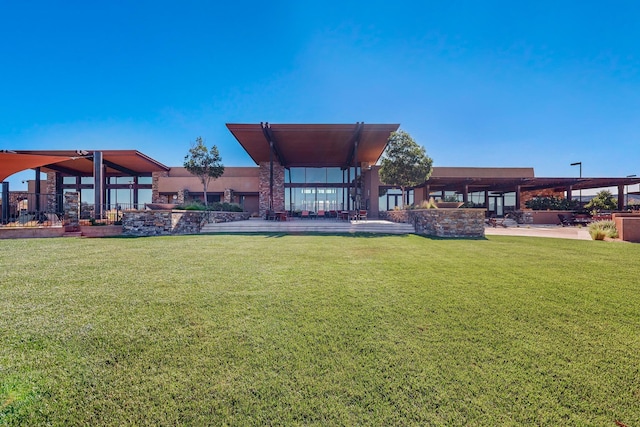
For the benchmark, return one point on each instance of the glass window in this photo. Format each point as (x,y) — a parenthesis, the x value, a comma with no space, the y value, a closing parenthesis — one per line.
(87,196)
(86,180)
(69,180)
(145,180)
(334,175)
(316,175)
(296,175)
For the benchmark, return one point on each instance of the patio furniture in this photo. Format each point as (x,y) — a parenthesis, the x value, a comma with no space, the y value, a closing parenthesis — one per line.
(495,222)
(304,214)
(362,215)
(320,214)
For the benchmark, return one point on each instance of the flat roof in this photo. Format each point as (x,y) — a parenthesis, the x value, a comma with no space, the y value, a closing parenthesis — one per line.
(498,184)
(71,162)
(314,145)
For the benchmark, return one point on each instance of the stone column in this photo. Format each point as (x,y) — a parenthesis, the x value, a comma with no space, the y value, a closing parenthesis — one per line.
(228,195)
(155,190)
(183,195)
(264,175)
(71,211)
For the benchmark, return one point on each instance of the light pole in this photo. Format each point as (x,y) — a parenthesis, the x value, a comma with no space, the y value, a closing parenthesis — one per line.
(579,164)
(627,200)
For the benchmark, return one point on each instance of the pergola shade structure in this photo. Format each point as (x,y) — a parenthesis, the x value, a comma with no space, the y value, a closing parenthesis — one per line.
(98,164)
(516,180)
(314,145)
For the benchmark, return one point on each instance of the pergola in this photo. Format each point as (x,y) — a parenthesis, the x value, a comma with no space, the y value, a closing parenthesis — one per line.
(96,163)
(466,185)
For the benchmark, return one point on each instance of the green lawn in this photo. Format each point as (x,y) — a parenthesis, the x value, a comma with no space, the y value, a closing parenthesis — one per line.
(319,330)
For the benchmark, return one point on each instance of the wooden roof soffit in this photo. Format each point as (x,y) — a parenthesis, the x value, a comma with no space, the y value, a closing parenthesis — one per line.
(119,168)
(353,143)
(273,144)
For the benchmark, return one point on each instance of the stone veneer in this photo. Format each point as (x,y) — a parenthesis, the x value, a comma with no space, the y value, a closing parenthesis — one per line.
(163,223)
(442,222)
(155,189)
(278,187)
(72,211)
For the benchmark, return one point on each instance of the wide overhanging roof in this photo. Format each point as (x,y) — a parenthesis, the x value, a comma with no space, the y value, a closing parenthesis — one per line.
(503,185)
(314,145)
(75,163)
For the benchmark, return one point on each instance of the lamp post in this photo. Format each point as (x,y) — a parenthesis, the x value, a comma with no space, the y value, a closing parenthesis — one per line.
(627,199)
(579,164)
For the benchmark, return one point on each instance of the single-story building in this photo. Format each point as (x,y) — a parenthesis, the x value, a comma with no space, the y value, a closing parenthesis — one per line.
(314,167)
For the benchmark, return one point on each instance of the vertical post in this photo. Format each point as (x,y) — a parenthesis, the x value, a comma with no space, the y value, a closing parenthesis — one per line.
(37,191)
(98,183)
(518,207)
(5,202)
(270,176)
(465,193)
(621,197)
(135,193)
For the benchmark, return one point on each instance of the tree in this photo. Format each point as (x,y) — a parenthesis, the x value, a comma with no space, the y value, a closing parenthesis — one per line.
(404,163)
(203,163)
(604,201)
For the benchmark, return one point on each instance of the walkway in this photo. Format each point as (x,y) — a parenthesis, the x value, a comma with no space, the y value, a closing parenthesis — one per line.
(257,225)
(296,225)
(556,231)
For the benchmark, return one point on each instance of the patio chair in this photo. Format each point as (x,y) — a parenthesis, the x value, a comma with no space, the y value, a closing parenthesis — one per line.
(565,220)
(304,214)
(362,215)
(320,214)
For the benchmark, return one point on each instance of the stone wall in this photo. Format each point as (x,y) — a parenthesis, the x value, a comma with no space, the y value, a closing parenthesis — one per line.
(164,223)
(442,222)
(264,176)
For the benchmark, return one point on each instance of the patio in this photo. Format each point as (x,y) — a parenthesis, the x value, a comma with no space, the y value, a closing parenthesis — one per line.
(297,225)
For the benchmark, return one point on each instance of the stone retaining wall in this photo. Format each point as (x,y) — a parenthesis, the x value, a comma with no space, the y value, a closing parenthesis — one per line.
(442,222)
(164,223)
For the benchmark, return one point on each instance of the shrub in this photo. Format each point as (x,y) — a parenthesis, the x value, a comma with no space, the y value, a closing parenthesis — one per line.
(601,229)
(604,200)
(216,206)
(552,203)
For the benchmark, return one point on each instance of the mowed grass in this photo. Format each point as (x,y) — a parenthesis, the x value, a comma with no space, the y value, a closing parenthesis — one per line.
(319,330)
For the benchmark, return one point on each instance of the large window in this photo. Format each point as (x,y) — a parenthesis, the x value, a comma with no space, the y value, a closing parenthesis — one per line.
(316,189)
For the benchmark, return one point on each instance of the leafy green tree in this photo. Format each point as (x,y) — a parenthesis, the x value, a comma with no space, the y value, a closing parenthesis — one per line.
(603,201)
(204,163)
(404,163)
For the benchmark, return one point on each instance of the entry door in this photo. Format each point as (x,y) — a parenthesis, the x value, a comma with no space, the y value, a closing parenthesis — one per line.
(496,205)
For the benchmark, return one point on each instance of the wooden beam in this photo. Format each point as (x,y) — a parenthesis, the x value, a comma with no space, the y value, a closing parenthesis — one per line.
(273,144)
(353,142)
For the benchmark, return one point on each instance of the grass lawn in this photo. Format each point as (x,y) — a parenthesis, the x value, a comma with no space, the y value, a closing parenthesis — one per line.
(319,330)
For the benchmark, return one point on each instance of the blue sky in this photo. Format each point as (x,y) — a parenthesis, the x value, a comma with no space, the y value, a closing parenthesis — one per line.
(479,83)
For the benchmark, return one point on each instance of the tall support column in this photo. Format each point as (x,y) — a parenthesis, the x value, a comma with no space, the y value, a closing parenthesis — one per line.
(620,197)
(98,183)
(465,193)
(270,176)
(569,192)
(36,206)
(135,192)
(518,199)
(5,202)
